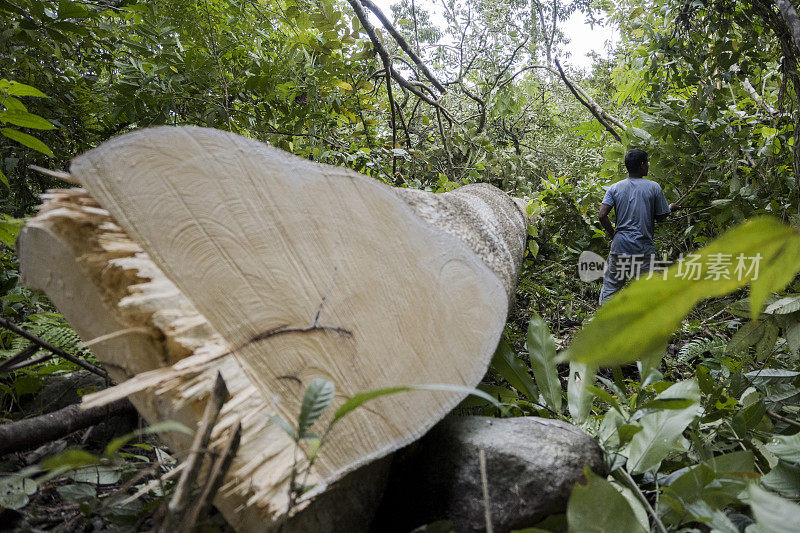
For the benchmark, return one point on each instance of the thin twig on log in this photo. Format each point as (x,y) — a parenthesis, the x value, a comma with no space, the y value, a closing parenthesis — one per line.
(404,45)
(214,481)
(49,347)
(598,112)
(177,505)
(33,432)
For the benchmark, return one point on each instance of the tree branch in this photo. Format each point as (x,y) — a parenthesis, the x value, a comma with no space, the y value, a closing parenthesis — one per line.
(381,50)
(33,432)
(598,112)
(403,44)
(50,348)
(757,97)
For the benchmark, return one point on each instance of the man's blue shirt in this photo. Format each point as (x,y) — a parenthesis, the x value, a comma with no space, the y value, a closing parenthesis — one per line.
(636,203)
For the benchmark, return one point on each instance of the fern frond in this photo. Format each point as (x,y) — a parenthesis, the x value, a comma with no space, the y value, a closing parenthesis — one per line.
(703,347)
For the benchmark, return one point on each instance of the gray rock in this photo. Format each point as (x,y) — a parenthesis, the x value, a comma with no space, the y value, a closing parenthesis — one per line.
(532,464)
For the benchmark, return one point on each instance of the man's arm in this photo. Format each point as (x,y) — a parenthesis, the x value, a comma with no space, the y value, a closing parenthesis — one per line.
(672,209)
(605,209)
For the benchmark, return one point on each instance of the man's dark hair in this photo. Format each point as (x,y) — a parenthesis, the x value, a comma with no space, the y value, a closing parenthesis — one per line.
(634,160)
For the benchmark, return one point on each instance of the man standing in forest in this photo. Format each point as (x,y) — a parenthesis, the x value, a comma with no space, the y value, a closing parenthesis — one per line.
(637,204)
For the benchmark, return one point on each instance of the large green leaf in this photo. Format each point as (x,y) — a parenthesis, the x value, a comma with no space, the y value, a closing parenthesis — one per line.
(661,430)
(513,370)
(642,316)
(772,376)
(784,478)
(787,447)
(16,88)
(717,482)
(318,397)
(26,140)
(599,507)
(542,350)
(579,395)
(25,119)
(787,304)
(773,514)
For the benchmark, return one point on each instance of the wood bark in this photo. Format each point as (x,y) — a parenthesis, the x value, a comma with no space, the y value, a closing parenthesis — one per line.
(272,270)
(34,432)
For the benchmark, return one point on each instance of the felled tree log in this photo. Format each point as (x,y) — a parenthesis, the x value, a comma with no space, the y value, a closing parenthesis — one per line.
(193,251)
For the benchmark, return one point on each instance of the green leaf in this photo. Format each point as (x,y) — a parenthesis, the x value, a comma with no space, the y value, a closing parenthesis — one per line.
(771,376)
(662,430)
(716,482)
(77,493)
(605,396)
(284,425)
(766,343)
(343,85)
(14,104)
(788,304)
(542,350)
(669,403)
(599,507)
(70,10)
(748,335)
(4,180)
(97,474)
(513,370)
(69,459)
(579,397)
(630,326)
(792,335)
(161,427)
(20,89)
(318,397)
(784,478)
(787,447)
(14,491)
(27,384)
(773,514)
(360,399)
(26,140)
(25,119)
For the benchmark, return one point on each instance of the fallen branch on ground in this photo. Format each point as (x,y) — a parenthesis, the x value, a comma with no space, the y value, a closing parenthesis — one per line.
(33,432)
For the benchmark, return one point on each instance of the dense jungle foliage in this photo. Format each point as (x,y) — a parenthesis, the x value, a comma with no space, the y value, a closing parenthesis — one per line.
(701,434)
